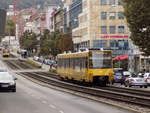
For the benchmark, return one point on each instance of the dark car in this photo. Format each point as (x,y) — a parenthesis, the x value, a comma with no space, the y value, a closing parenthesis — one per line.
(7,81)
(118,77)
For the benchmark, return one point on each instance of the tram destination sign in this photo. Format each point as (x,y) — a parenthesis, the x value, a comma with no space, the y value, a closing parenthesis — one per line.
(2,21)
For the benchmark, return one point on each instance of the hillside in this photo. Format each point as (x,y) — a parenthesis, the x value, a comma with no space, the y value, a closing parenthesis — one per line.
(22,4)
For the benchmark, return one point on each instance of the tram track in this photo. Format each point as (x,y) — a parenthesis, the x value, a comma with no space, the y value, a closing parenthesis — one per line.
(112,88)
(109,94)
(18,64)
(136,97)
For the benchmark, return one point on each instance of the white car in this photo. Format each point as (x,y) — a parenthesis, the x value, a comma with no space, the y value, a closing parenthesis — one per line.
(147,77)
(7,81)
(35,58)
(135,80)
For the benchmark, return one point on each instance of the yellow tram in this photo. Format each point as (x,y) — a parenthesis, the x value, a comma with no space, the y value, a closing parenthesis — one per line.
(92,66)
(6,53)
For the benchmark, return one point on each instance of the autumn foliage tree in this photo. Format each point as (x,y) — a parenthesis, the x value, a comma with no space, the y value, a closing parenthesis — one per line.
(137,13)
(54,43)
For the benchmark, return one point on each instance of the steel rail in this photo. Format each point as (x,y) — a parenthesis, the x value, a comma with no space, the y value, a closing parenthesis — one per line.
(112,88)
(120,94)
(114,95)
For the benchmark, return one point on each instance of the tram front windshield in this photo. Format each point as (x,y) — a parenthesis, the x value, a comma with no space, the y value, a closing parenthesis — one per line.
(100,61)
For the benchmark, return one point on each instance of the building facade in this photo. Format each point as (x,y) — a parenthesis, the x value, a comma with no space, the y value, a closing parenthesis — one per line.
(57,20)
(98,24)
(49,8)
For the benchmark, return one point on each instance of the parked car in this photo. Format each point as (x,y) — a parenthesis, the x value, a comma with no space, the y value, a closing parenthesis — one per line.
(46,61)
(41,59)
(126,74)
(147,77)
(7,81)
(36,58)
(50,62)
(118,77)
(135,80)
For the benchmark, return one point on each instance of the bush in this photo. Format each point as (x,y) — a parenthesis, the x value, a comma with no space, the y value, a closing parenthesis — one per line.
(52,70)
(33,63)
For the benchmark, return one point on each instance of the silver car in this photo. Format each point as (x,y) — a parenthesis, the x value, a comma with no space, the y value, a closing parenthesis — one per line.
(147,77)
(135,80)
(7,81)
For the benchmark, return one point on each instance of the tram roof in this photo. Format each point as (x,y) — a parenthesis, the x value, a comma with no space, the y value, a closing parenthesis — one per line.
(78,54)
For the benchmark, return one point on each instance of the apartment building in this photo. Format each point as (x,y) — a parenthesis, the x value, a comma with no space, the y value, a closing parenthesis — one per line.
(57,20)
(49,7)
(99,24)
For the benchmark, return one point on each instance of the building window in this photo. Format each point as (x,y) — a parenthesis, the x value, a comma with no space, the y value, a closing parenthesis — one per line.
(120,15)
(104,29)
(112,2)
(103,15)
(112,15)
(99,43)
(103,2)
(112,29)
(119,44)
(114,44)
(120,2)
(121,29)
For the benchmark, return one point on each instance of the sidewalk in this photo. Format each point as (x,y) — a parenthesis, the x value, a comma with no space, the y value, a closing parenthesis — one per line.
(44,66)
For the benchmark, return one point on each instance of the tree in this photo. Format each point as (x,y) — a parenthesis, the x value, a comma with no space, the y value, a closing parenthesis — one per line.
(65,42)
(28,41)
(10,27)
(137,13)
(55,43)
(45,43)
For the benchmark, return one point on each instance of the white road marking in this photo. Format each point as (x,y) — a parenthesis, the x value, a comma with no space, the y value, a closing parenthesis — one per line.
(44,102)
(61,112)
(52,106)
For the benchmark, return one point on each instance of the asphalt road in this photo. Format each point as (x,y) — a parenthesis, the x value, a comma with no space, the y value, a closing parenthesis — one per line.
(33,98)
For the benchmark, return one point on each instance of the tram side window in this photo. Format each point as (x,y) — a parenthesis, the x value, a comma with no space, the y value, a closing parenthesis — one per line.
(77,63)
(80,63)
(63,62)
(86,62)
(71,62)
(59,62)
(66,63)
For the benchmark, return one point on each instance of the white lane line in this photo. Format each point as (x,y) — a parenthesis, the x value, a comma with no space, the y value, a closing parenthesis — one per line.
(61,112)
(52,106)
(44,102)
